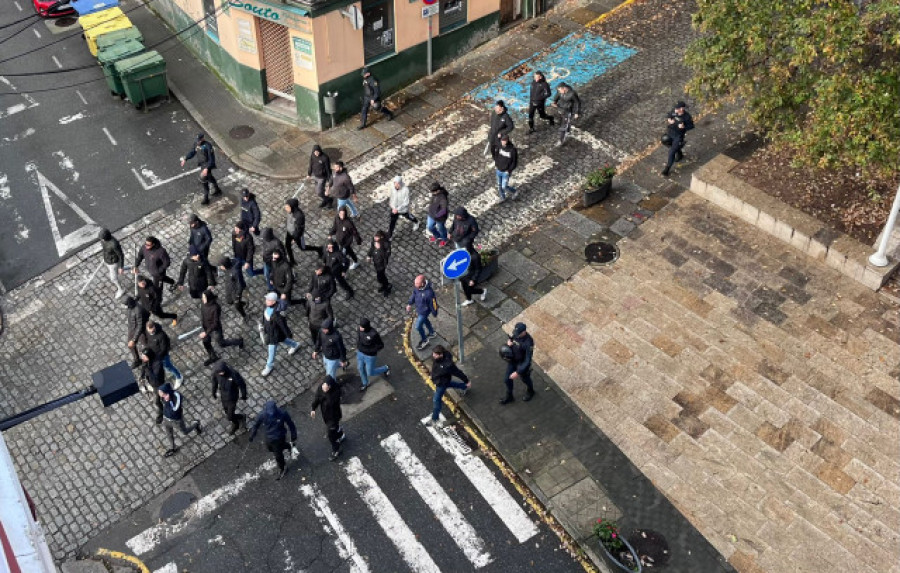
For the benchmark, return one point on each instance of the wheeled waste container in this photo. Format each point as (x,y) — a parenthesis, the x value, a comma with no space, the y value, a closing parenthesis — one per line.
(104,26)
(108,56)
(143,77)
(110,38)
(90,20)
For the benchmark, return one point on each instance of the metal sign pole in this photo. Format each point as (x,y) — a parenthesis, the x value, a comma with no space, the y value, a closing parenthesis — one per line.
(430,18)
(459,323)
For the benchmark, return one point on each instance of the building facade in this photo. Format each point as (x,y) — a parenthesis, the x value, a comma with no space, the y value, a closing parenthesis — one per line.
(284,57)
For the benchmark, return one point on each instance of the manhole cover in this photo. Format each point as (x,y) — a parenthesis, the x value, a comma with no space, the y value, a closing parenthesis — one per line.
(65,22)
(651,547)
(241,132)
(601,253)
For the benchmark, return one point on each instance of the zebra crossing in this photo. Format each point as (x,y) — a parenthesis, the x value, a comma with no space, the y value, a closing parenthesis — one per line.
(391,516)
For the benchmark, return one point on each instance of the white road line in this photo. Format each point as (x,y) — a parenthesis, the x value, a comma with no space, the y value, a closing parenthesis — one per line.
(156,182)
(67,119)
(441,505)
(521,177)
(344,544)
(19,106)
(81,97)
(17,6)
(56,61)
(36,33)
(596,143)
(389,519)
(77,237)
(167,568)
(109,135)
(150,538)
(66,165)
(474,468)
(28,132)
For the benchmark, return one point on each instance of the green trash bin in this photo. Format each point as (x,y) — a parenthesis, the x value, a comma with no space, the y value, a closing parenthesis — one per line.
(108,56)
(110,38)
(143,77)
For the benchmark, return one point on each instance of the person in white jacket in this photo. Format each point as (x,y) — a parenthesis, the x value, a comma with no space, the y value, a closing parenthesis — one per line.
(400,205)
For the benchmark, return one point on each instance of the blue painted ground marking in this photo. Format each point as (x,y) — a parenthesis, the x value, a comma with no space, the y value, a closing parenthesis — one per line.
(576,59)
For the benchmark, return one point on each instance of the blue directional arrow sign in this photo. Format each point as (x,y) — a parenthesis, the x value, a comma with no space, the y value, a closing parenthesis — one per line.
(456,264)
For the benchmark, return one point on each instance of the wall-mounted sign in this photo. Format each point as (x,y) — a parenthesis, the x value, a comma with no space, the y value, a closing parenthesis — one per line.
(303,50)
(245,40)
(289,16)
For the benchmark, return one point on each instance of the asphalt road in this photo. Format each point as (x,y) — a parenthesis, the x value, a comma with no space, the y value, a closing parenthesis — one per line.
(246,521)
(110,163)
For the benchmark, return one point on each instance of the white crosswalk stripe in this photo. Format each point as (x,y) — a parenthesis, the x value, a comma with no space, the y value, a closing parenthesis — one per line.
(344,544)
(596,143)
(412,552)
(522,177)
(477,472)
(431,492)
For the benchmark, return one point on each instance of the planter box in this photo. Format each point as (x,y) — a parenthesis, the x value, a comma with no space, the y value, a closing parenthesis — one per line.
(614,563)
(489,268)
(595,195)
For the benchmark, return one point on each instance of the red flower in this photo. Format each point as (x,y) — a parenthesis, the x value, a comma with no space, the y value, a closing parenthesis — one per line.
(613,535)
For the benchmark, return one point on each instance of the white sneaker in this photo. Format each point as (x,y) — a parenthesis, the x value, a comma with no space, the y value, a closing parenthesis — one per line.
(484,294)
(467,302)
(293,350)
(266,371)
(179,382)
(416,226)
(353,266)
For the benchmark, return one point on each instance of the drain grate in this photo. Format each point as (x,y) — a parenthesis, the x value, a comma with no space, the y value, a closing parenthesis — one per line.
(241,132)
(65,22)
(601,253)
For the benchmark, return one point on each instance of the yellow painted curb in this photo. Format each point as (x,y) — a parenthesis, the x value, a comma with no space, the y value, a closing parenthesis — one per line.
(606,15)
(118,555)
(569,544)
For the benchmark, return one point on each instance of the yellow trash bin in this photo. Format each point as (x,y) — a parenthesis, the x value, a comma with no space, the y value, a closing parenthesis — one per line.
(95,29)
(95,18)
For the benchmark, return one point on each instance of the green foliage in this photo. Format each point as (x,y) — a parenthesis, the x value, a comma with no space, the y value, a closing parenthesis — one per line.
(608,533)
(600,176)
(820,76)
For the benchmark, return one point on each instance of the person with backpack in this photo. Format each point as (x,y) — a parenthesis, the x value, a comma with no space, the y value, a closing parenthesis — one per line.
(464,230)
(211,321)
(399,204)
(331,346)
(338,265)
(251,216)
(328,399)
(173,416)
(506,159)
(206,161)
(320,170)
(276,331)
(425,304)
(538,96)
(276,423)
(368,345)
(438,209)
(114,259)
(229,385)
(443,370)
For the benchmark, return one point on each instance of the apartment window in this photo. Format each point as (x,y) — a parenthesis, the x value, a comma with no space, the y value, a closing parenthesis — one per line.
(378,29)
(452,15)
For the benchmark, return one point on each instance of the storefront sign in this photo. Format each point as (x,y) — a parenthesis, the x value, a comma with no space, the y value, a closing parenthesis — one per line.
(246,42)
(283,15)
(303,53)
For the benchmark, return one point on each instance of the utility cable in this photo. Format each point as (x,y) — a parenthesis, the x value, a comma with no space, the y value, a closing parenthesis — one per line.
(16,33)
(5,26)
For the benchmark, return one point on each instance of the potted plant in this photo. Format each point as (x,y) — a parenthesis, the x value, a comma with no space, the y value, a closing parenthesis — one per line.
(490,262)
(598,184)
(619,553)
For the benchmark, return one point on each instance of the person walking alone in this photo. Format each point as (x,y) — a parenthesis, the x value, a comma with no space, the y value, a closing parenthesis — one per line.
(206,161)
(368,344)
(438,210)
(136,319)
(442,372)
(425,304)
(379,254)
(275,422)
(114,259)
(540,93)
(276,331)
(328,399)
(679,123)
(470,281)
(506,159)
(173,416)
(372,99)
(521,349)
(229,385)
(569,105)
(342,189)
(320,170)
(399,203)
(211,321)
(331,346)
(501,124)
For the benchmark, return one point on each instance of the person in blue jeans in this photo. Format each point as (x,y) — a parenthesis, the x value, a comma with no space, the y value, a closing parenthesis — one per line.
(506,159)
(157,340)
(443,370)
(368,343)
(438,210)
(243,247)
(422,298)
(331,346)
(275,330)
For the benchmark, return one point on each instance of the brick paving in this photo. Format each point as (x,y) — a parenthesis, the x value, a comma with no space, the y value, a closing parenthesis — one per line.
(755,387)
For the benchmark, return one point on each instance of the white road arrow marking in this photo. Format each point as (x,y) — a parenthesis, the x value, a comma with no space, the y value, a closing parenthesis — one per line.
(77,237)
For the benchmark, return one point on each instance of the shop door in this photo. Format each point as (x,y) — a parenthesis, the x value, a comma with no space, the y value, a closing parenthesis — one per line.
(509,11)
(276,51)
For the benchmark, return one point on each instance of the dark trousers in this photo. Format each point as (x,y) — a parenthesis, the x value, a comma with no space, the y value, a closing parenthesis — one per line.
(348,250)
(134,353)
(158,281)
(204,184)
(170,425)
(341,280)
(523,376)
(241,307)
(335,435)
(382,108)
(470,290)
(290,297)
(675,154)
(220,340)
(231,415)
(289,240)
(314,333)
(565,126)
(277,447)
(541,111)
(158,311)
(381,276)
(395,216)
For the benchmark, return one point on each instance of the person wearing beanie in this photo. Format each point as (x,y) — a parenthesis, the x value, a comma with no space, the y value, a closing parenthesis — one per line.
(114,259)
(173,416)
(519,365)
(158,262)
(368,344)
(399,203)
(464,230)
(211,321)
(540,93)
(338,264)
(331,346)
(136,319)
(250,213)
(438,210)
(294,228)
(151,299)
(379,254)
(501,124)
(276,331)
(243,248)
(443,370)
(506,159)
(194,269)
(320,170)
(206,161)
(275,423)
(372,99)
(235,285)
(569,105)
(679,123)
(344,232)
(328,400)
(342,189)
(270,244)
(425,304)
(230,386)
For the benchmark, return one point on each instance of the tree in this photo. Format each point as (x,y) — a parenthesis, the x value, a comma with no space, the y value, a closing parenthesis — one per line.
(820,76)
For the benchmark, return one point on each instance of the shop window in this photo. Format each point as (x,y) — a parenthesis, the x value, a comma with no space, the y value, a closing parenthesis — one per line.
(212,25)
(378,29)
(452,15)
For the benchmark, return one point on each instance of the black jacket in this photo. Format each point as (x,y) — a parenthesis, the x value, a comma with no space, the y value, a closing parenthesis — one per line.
(344,231)
(439,207)
(206,157)
(322,286)
(380,257)
(319,167)
(158,342)
(230,385)
(319,312)
(464,230)
(683,123)
(330,402)
(475,267)
(369,341)
(444,369)
(371,89)
(250,213)
(568,102)
(152,371)
(243,246)
(201,238)
(211,315)
(234,282)
(148,297)
(270,244)
(273,420)
(157,260)
(137,318)
(342,186)
(506,157)
(196,274)
(336,261)
(331,345)
(276,328)
(282,276)
(295,223)
(112,252)
(501,124)
(173,407)
(523,349)
(540,91)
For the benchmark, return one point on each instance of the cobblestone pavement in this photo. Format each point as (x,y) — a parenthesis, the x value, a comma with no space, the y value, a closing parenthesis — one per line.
(755,387)
(87,467)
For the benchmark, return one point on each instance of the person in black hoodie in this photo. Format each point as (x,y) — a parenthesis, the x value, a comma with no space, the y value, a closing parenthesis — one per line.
(194,269)
(344,232)
(501,124)
(152,378)
(276,331)
(137,317)
(230,385)
(569,106)
(379,254)
(211,320)
(318,311)
(342,188)
(321,283)
(283,279)
(270,244)
(294,227)
(442,372)
(275,423)
(235,285)
(113,257)
(337,263)
(368,344)
(328,399)
(331,346)
(150,297)
(470,281)
(157,340)
(679,122)
(243,248)
(173,416)
(250,213)
(320,170)
(519,363)
(438,210)
(506,159)
(206,161)
(201,238)
(157,263)
(465,228)
(540,93)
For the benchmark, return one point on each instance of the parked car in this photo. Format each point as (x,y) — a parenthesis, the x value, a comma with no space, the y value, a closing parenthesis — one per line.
(53,8)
